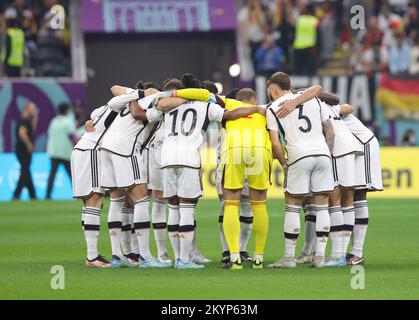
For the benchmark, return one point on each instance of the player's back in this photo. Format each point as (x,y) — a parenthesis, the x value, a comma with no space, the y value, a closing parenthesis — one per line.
(302,129)
(183,132)
(248,131)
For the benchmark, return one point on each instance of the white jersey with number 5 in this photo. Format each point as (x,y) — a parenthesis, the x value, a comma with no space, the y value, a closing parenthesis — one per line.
(184,129)
(301,129)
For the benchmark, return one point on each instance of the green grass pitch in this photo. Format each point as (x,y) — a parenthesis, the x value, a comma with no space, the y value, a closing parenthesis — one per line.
(38,235)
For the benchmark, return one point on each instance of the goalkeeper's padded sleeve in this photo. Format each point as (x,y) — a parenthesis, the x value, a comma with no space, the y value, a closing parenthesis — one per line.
(193,94)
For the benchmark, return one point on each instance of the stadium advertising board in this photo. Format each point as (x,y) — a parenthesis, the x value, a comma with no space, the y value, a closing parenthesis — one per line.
(115,16)
(47,94)
(399,167)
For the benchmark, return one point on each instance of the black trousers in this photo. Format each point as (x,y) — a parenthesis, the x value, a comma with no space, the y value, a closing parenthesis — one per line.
(55,163)
(25,178)
(12,72)
(304,62)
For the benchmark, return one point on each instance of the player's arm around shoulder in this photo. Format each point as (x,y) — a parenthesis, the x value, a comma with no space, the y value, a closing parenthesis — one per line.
(243,112)
(329,134)
(290,105)
(345,109)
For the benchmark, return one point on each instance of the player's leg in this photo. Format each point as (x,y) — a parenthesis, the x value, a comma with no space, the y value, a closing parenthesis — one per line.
(348,210)
(296,188)
(293,206)
(336,229)
(158,211)
(126,232)
(246,223)
(189,186)
(360,228)
(85,166)
(170,193)
(260,223)
(309,247)
(233,176)
(322,183)
(158,219)
(92,207)
(117,199)
(225,256)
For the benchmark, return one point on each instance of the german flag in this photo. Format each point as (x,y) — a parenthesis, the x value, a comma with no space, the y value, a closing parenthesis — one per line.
(399,97)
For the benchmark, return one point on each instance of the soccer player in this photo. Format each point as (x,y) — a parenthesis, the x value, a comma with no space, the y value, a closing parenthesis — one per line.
(124,167)
(184,127)
(346,160)
(371,175)
(86,179)
(309,138)
(246,152)
(246,213)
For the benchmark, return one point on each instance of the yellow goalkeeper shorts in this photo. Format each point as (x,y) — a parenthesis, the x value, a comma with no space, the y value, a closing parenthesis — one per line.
(255,163)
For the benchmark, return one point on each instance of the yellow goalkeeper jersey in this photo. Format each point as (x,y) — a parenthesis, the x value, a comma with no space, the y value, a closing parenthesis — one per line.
(249,131)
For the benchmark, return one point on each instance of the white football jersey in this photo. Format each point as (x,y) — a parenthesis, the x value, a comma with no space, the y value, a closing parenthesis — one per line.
(102,118)
(127,134)
(301,129)
(358,129)
(184,129)
(345,141)
(157,141)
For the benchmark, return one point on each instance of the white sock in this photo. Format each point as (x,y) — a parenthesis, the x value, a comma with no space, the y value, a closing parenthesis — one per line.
(173,229)
(348,226)
(322,229)
(126,231)
(220,227)
(360,227)
(142,226)
(309,229)
(91,230)
(158,219)
(186,230)
(291,229)
(336,225)
(115,224)
(246,223)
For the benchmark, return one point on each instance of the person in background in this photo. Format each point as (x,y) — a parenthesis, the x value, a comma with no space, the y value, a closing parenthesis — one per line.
(24,148)
(61,138)
(269,57)
(399,55)
(409,138)
(13,49)
(414,58)
(305,42)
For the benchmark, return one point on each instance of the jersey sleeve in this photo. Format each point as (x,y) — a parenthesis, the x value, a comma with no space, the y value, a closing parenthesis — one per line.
(119,102)
(154,115)
(215,113)
(97,112)
(271,120)
(324,111)
(336,108)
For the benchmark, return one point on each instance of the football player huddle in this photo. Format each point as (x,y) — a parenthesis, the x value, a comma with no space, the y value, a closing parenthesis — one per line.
(145,144)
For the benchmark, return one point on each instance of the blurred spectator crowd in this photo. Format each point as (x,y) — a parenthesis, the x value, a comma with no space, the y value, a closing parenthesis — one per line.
(31,44)
(300,36)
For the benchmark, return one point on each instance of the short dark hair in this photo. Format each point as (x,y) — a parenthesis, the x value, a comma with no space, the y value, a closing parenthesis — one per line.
(232,93)
(246,94)
(153,85)
(210,86)
(63,108)
(281,79)
(189,81)
(173,84)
